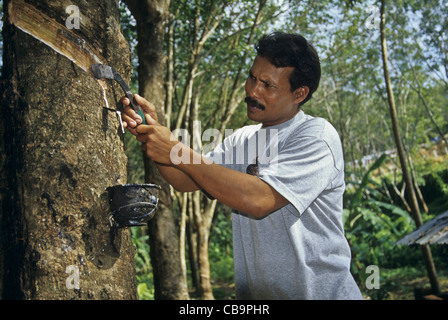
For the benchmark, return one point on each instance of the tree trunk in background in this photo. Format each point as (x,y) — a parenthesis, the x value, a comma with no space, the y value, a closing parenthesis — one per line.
(60,150)
(410,191)
(192,240)
(151,17)
(203,214)
(203,219)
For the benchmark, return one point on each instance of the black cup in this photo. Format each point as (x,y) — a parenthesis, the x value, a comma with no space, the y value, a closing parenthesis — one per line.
(132,204)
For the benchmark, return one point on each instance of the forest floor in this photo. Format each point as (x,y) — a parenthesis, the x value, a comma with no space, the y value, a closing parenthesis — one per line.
(406,288)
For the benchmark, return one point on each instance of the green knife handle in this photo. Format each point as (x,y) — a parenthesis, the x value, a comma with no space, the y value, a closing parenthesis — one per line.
(135,105)
(141,114)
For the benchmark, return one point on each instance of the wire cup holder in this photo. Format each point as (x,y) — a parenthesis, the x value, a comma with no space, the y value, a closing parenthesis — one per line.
(132,204)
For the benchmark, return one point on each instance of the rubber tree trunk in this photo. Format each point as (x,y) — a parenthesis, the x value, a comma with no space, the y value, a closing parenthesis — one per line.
(410,191)
(60,150)
(151,17)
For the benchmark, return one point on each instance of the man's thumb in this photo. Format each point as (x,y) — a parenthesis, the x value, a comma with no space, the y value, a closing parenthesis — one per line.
(150,120)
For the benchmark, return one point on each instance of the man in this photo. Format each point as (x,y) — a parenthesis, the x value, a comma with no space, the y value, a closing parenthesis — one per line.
(284,179)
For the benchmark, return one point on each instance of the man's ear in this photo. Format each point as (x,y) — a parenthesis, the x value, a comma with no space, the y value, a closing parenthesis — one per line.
(300,94)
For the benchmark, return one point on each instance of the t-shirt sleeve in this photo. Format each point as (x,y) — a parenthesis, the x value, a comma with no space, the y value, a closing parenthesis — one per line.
(301,170)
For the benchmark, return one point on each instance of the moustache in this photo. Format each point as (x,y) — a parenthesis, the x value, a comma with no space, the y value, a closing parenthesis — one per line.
(254,103)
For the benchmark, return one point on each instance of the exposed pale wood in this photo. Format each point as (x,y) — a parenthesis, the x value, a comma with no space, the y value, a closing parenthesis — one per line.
(55,35)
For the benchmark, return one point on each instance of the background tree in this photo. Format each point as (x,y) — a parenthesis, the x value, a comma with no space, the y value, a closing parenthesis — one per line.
(410,190)
(151,18)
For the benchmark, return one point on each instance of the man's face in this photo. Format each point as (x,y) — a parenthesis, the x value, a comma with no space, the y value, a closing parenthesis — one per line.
(268,95)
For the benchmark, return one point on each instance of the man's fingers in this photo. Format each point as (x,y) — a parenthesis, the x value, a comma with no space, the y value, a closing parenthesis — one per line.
(128,121)
(132,130)
(150,120)
(147,107)
(129,111)
(143,129)
(133,121)
(125,101)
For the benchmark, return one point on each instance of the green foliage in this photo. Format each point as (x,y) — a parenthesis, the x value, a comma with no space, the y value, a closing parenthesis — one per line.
(434,186)
(220,249)
(221,254)
(145,287)
(372,226)
(145,291)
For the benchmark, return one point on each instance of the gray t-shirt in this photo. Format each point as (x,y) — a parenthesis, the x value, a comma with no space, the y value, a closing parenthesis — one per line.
(298,251)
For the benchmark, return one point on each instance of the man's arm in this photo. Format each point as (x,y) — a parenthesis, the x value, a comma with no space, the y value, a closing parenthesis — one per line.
(240,191)
(178,179)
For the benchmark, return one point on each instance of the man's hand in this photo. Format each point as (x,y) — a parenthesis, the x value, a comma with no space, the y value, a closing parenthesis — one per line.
(131,119)
(157,142)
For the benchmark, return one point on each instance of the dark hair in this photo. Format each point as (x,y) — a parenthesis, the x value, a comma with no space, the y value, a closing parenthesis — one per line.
(292,50)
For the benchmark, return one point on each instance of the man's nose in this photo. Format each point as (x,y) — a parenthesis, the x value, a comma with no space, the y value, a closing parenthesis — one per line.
(253,90)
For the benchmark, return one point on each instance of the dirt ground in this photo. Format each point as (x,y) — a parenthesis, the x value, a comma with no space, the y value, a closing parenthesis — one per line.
(416,288)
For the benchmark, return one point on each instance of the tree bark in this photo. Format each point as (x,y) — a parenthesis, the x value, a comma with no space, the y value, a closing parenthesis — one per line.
(60,151)
(203,215)
(192,239)
(151,17)
(182,234)
(412,198)
(203,230)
